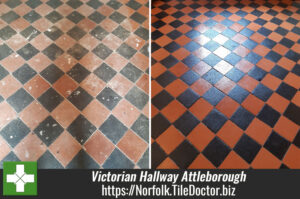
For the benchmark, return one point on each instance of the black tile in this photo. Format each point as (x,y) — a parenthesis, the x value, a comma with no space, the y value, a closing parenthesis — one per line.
(138,17)
(212,59)
(131,72)
(169,61)
(174,34)
(53,33)
(192,46)
(297,140)
(215,120)
(257,73)
(186,123)
(190,77)
(141,127)
(242,118)
(77,51)
(96,17)
(75,17)
(94,3)
(24,73)
(157,155)
(279,72)
(50,99)
(213,96)
(102,51)
(268,115)
(143,163)
(142,33)
(247,148)
(231,45)
(7,32)
(74,3)
(30,33)
(52,73)
(54,16)
(117,17)
(78,73)
(109,98)
(80,98)
(76,33)
(20,100)
(53,52)
(114,4)
(10,17)
(268,43)
(113,129)
(216,151)
(273,56)
(5,51)
(99,33)
(184,154)
(11,157)
(117,160)
(162,99)
(133,4)
(292,55)
(235,74)
(82,161)
(277,145)
(105,73)
(193,34)
(14,132)
(34,3)
(137,97)
(32,16)
(232,58)
(81,129)
(48,161)
(158,125)
(287,42)
(238,94)
(286,91)
(188,97)
(262,92)
(54,3)
(48,130)
(253,58)
(27,52)
(121,32)
(212,76)
(172,47)
(126,51)
(3,72)
(13,3)
(296,69)
(293,113)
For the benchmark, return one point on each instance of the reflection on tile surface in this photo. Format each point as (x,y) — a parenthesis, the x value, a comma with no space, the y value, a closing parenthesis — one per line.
(74,83)
(225,84)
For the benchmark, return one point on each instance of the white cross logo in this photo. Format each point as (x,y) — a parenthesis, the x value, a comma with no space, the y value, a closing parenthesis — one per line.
(20,178)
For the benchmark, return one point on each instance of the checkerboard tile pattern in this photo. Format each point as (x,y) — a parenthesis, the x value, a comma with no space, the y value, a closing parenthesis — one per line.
(74,83)
(225,84)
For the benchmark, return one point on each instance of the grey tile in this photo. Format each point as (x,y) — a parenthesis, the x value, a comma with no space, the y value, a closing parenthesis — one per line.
(13,3)
(115,4)
(117,17)
(105,73)
(117,160)
(50,99)
(74,3)
(81,129)
(137,97)
(99,33)
(54,16)
(32,16)
(80,98)
(27,52)
(131,72)
(76,33)
(30,33)
(96,17)
(53,52)
(138,17)
(54,3)
(24,73)
(78,73)
(77,51)
(3,72)
(11,157)
(7,32)
(109,98)
(142,32)
(52,73)
(10,17)
(141,127)
(126,51)
(82,161)
(48,161)
(143,163)
(102,51)
(20,100)
(94,3)
(121,32)
(5,51)
(14,132)
(134,4)
(48,130)
(113,129)
(33,3)
(75,17)
(53,33)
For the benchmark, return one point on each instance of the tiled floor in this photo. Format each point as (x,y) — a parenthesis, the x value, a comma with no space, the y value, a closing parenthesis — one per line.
(74,83)
(225,88)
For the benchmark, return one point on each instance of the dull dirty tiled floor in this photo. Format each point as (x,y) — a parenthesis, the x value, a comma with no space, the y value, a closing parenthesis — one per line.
(74,83)
(226,79)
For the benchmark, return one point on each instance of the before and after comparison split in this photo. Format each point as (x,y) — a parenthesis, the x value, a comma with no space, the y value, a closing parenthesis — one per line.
(160,84)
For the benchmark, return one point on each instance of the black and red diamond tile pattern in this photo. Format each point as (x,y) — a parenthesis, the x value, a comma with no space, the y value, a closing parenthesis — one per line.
(225,84)
(74,83)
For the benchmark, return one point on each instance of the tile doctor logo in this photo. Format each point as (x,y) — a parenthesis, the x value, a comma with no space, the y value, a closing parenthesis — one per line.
(20,178)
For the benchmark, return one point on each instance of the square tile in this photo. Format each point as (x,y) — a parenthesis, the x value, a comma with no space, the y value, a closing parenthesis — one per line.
(137,97)
(102,51)
(77,51)
(24,73)
(20,100)
(53,52)
(188,97)
(247,148)
(109,98)
(277,145)
(80,98)
(184,154)
(52,73)
(27,52)
(50,99)
(242,118)
(268,115)
(215,120)
(78,73)
(53,33)
(186,123)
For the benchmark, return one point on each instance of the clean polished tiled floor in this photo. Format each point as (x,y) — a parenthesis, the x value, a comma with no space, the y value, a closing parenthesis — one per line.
(74,83)
(225,84)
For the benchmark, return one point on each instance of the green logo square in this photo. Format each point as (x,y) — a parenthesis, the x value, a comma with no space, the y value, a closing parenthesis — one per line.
(20,178)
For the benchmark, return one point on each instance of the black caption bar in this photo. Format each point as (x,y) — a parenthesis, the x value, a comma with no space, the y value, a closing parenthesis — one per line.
(166,184)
